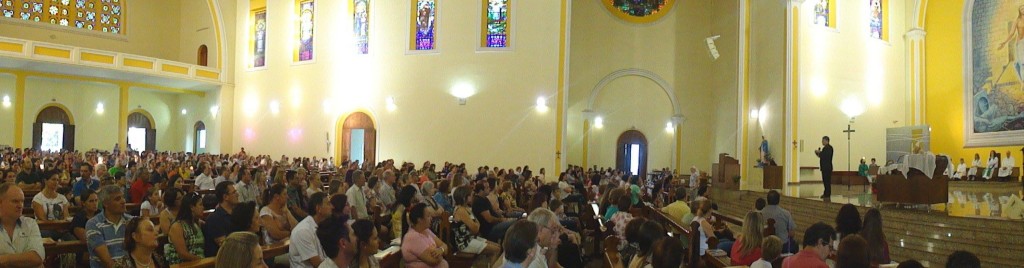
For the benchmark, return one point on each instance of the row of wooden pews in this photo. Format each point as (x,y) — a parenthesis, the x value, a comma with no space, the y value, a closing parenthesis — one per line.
(676,230)
(269,252)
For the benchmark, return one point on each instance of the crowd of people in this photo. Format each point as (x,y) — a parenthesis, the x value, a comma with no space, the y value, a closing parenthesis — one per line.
(230,207)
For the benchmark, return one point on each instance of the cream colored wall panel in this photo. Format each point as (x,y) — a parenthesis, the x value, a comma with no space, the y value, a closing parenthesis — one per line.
(838,67)
(498,125)
(92,129)
(672,48)
(7,113)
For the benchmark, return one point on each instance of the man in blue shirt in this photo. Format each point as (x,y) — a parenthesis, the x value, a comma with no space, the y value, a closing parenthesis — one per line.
(105,231)
(86,181)
(219,225)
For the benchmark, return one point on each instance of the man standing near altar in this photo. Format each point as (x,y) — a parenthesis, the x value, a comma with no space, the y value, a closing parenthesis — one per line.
(825,161)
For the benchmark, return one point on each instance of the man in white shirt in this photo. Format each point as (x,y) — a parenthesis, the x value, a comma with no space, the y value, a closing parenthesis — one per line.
(204,181)
(356,199)
(304,249)
(247,190)
(1007,166)
(21,244)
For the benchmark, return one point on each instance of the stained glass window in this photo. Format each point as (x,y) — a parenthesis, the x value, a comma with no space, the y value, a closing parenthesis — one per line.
(33,10)
(825,13)
(259,55)
(361,25)
(110,15)
(60,12)
(7,8)
(496,31)
(100,15)
(305,49)
(877,19)
(639,8)
(424,14)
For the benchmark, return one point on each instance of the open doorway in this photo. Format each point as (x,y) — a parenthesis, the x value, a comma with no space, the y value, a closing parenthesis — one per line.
(53,130)
(199,146)
(631,155)
(358,138)
(141,134)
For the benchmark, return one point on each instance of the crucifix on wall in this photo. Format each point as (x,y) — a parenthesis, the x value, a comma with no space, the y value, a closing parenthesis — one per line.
(849,131)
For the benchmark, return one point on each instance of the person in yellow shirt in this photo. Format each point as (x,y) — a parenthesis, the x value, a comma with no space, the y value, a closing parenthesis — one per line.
(679,208)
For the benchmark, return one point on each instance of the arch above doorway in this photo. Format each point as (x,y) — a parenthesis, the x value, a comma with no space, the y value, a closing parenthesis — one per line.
(53,128)
(664,85)
(141,119)
(355,130)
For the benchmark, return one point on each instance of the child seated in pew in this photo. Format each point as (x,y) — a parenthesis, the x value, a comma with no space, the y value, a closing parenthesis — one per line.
(771,249)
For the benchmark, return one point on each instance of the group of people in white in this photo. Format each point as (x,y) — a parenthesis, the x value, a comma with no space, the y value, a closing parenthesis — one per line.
(993,169)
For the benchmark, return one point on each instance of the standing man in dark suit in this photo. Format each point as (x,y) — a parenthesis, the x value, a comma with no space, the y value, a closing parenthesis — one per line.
(825,161)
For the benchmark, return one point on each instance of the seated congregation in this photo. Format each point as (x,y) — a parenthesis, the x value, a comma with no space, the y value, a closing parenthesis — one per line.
(182,210)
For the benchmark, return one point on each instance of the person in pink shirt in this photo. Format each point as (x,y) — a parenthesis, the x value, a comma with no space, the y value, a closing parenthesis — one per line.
(420,247)
(817,247)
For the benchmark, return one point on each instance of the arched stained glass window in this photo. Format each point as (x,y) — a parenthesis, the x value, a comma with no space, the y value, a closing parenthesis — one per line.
(424,15)
(877,23)
(306,12)
(497,27)
(361,25)
(100,15)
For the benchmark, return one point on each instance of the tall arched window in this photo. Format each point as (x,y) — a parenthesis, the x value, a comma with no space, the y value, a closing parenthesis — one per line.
(204,55)
(53,130)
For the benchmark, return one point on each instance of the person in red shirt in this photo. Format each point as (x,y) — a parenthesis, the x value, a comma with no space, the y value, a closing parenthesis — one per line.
(747,248)
(817,247)
(138,190)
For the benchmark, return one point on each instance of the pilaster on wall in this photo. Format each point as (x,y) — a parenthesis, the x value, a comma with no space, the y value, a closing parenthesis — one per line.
(588,116)
(19,109)
(792,90)
(915,73)
(122,116)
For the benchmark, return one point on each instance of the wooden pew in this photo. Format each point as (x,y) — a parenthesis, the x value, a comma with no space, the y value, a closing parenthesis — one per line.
(612,259)
(55,225)
(53,250)
(390,257)
(269,252)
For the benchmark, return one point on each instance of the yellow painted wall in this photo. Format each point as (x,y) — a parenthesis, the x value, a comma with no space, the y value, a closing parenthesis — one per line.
(673,49)
(152,30)
(725,77)
(498,125)
(944,69)
(837,65)
(767,88)
(7,113)
(92,130)
(196,28)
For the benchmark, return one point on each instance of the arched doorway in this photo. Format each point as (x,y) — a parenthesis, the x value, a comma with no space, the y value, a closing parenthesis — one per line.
(631,155)
(358,138)
(141,133)
(203,56)
(199,144)
(54,129)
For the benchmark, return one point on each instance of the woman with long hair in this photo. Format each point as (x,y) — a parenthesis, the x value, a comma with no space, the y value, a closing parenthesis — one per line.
(185,237)
(140,244)
(402,205)
(747,248)
(420,247)
(172,201)
(48,204)
(878,248)
(847,221)
(702,211)
(650,232)
(466,228)
(367,244)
